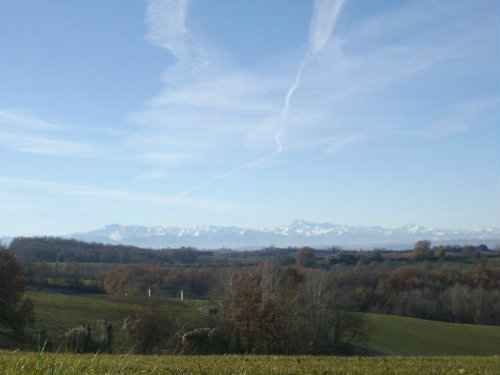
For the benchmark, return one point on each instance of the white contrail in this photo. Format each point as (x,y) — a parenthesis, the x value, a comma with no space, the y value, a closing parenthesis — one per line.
(286,105)
(250,164)
(325,15)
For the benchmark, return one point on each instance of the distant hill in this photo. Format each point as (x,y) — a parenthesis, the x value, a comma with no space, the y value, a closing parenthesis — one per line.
(298,233)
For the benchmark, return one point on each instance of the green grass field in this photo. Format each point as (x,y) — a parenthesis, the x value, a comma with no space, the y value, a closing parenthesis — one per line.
(17,363)
(397,335)
(53,310)
(58,312)
(391,335)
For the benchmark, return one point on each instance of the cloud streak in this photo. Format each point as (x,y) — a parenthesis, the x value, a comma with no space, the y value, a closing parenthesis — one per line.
(324,19)
(335,100)
(166,22)
(25,133)
(74,190)
(325,15)
(22,132)
(19,120)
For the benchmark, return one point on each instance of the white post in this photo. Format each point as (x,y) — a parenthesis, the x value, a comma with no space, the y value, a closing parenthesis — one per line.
(182,295)
(149,292)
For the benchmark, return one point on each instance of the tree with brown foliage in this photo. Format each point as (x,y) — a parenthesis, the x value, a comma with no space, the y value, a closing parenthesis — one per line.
(15,311)
(149,331)
(422,250)
(244,309)
(305,257)
(280,310)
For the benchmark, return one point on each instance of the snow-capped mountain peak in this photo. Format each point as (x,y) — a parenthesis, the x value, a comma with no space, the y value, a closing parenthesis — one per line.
(298,233)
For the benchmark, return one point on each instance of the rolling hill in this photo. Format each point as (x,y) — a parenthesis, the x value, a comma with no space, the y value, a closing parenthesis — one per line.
(390,335)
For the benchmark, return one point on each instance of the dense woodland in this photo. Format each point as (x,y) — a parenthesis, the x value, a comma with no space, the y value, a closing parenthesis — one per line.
(274,300)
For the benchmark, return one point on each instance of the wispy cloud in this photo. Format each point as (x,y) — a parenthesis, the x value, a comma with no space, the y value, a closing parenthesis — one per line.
(208,106)
(336,144)
(456,118)
(339,92)
(211,106)
(331,102)
(23,132)
(362,84)
(166,22)
(26,133)
(256,163)
(74,190)
(164,158)
(36,144)
(325,15)
(20,120)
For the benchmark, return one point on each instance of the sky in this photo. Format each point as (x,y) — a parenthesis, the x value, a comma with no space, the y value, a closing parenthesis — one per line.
(255,113)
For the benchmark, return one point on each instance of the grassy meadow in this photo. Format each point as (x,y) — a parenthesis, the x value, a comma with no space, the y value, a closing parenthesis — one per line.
(56,312)
(15,363)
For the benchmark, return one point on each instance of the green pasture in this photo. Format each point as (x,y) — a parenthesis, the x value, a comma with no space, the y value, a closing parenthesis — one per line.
(397,335)
(56,312)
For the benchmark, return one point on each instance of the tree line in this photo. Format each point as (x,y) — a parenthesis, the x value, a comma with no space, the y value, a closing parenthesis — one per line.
(54,249)
(271,308)
(451,294)
(267,309)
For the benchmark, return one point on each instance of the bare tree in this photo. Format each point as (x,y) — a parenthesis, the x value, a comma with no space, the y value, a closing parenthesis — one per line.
(314,300)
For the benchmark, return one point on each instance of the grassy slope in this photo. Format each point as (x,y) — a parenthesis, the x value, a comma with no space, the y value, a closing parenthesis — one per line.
(55,310)
(393,335)
(409,336)
(59,312)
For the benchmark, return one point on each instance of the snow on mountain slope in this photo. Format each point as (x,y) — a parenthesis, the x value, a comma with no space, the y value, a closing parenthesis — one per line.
(298,233)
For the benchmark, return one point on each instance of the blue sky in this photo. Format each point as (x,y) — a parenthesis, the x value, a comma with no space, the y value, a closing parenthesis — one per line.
(250,113)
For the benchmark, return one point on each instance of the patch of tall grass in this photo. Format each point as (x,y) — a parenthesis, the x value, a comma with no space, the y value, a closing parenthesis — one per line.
(42,363)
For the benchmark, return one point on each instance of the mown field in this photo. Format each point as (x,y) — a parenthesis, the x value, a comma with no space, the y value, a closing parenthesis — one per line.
(16,363)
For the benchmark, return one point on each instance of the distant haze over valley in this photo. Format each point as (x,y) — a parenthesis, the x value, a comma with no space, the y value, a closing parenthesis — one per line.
(298,233)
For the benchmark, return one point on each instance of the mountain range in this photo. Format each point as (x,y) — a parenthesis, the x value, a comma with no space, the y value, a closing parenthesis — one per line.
(298,233)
